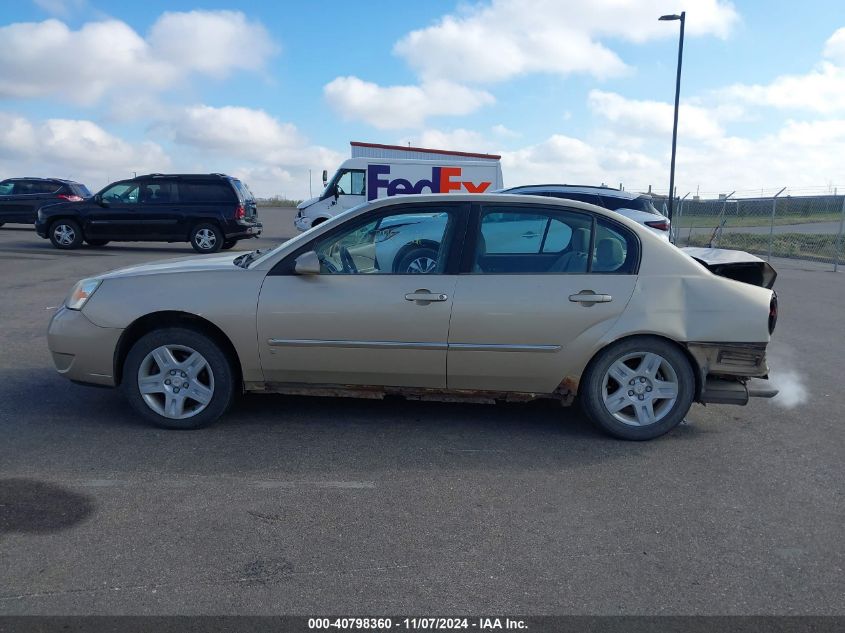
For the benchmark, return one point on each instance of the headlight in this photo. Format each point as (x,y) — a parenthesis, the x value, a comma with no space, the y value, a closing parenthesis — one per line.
(81,292)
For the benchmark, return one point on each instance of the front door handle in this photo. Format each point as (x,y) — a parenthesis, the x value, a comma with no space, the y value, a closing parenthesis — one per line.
(589,297)
(423,297)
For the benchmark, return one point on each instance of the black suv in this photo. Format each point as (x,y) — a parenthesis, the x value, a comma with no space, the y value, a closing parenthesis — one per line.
(211,211)
(20,198)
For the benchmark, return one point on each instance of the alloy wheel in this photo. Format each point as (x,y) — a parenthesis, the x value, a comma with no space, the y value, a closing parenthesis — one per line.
(205,239)
(640,388)
(176,381)
(64,234)
(422,265)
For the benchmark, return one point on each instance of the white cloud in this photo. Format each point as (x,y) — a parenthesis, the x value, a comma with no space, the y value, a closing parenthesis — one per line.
(654,117)
(61,7)
(396,107)
(48,59)
(821,90)
(245,133)
(495,42)
(460,140)
(834,48)
(504,131)
(73,148)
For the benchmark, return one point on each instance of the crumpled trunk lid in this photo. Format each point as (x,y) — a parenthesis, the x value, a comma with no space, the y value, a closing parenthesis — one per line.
(736,265)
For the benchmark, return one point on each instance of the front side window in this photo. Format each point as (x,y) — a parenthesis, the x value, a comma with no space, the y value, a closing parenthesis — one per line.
(519,240)
(412,242)
(6,187)
(122,193)
(347,182)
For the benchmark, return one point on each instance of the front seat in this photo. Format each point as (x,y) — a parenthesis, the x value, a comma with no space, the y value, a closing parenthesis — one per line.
(575,259)
(609,256)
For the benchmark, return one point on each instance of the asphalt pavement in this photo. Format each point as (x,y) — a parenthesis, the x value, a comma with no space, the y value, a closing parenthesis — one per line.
(295,505)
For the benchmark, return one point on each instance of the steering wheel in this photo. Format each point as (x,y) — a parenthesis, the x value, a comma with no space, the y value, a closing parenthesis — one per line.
(325,261)
(346,259)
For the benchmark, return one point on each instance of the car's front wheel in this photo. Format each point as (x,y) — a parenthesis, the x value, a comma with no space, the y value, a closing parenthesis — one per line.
(178,379)
(65,234)
(638,388)
(206,238)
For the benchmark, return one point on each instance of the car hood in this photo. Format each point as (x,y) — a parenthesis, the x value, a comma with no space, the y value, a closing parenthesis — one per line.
(306,203)
(177,265)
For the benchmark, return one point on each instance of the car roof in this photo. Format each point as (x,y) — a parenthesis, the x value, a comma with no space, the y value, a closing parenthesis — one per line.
(70,182)
(214,176)
(562,188)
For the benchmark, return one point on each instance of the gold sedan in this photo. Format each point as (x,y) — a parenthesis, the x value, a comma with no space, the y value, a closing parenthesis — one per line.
(484,297)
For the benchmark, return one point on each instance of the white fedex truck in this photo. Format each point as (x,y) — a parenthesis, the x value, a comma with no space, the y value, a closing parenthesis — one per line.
(379,171)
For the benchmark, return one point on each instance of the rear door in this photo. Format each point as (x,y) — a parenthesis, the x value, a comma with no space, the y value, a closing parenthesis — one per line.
(522,318)
(160,211)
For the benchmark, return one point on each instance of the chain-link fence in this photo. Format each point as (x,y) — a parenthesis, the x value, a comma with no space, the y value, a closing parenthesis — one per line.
(800,227)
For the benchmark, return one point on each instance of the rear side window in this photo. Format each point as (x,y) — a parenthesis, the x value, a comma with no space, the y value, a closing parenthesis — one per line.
(616,249)
(208,191)
(29,187)
(580,197)
(159,192)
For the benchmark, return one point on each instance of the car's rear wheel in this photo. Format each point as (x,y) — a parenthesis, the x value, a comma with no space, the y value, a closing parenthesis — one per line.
(65,234)
(2,223)
(229,244)
(638,388)
(206,238)
(96,242)
(420,261)
(178,379)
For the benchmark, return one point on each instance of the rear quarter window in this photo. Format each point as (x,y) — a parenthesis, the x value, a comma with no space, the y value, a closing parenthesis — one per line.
(214,191)
(616,250)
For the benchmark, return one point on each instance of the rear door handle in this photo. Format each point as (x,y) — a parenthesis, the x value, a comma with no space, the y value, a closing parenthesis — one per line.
(424,297)
(589,297)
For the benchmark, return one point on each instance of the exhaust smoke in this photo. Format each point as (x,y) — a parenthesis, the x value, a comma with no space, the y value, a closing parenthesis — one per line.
(786,378)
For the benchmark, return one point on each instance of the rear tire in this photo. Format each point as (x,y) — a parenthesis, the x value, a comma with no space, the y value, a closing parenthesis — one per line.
(96,242)
(2,223)
(65,234)
(206,238)
(638,389)
(229,244)
(162,362)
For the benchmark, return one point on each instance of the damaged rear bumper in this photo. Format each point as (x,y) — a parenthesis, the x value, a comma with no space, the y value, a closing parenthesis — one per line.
(727,370)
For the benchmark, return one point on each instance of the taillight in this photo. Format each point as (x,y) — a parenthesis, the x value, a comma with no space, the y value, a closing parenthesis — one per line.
(660,225)
(773,312)
(240,212)
(69,197)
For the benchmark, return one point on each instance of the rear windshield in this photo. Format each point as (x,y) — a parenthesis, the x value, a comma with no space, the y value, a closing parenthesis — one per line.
(641,203)
(206,191)
(243,191)
(80,190)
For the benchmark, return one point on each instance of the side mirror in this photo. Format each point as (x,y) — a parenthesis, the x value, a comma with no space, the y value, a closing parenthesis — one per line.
(99,200)
(325,177)
(307,264)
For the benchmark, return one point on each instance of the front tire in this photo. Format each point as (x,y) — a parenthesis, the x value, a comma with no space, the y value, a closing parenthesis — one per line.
(419,261)
(178,378)
(206,238)
(638,389)
(65,234)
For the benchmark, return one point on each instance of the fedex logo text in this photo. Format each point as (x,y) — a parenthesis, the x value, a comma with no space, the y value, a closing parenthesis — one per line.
(443,180)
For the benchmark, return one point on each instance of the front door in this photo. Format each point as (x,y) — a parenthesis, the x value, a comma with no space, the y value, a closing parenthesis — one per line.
(524,317)
(365,320)
(119,215)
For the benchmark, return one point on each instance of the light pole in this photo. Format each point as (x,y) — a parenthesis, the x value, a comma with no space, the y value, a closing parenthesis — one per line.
(682,18)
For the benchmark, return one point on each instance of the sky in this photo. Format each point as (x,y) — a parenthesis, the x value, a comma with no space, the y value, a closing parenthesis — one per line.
(566,91)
